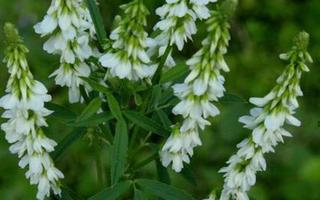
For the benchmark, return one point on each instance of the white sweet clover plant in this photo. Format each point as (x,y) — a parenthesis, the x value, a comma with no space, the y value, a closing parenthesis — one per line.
(128,59)
(25,113)
(71,31)
(201,88)
(267,120)
(129,106)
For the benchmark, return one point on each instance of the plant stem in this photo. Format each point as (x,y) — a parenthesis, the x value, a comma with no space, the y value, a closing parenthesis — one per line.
(157,76)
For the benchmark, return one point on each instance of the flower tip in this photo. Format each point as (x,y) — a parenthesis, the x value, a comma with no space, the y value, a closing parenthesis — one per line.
(11,33)
(228,7)
(302,40)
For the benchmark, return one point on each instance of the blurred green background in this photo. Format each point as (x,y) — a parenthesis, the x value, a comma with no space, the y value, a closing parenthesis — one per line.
(261,30)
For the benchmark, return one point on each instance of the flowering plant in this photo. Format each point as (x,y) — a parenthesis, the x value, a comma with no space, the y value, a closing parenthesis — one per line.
(138,98)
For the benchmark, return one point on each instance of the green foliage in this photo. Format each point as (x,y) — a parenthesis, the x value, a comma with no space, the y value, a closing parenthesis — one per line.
(98,22)
(119,152)
(113,192)
(163,190)
(146,123)
(175,74)
(114,107)
(67,142)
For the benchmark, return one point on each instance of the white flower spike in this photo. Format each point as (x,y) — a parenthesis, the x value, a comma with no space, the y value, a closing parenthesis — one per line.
(25,114)
(177,25)
(266,122)
(203,86)
(71,31)
(128,58)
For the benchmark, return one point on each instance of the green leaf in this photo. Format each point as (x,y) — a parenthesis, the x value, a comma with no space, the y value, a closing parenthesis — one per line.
(165,121)
(138,195)
(94,120)
(91,109)
(232,98)
(119,152)
(175,74)
(157,75)
(146,123)
(84,94)
(167,95)
(97,21)
(163,190)
(61,112)
(113,192)
(96,86)
(114,107)
(67,141)
(155,97)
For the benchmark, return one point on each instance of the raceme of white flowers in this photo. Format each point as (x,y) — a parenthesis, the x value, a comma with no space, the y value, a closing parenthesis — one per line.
(71,31)
(128,58)
(177,25)
(267,122)
(201,88)
(25,111)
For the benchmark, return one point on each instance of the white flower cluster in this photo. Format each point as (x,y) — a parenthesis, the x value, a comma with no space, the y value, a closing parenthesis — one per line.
(201,88)
(128,58)
(71,31)
(25,111)
(266,121)
(177,24)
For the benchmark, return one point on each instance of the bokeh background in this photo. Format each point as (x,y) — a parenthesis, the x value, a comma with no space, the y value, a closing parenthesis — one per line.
(261,30)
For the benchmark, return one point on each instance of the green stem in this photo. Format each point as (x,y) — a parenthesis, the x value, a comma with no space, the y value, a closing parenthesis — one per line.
(157,76)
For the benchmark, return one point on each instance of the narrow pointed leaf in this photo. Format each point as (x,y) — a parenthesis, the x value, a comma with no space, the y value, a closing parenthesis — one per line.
(90,110)
(146,123)
(97,21)
(114,107)
(155,96)
(232,98)
(113,192)
(119,152)
(94,120)
(96,86)
(61,113)
(165,121)
(68,141)
(163,190)
(175,74)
